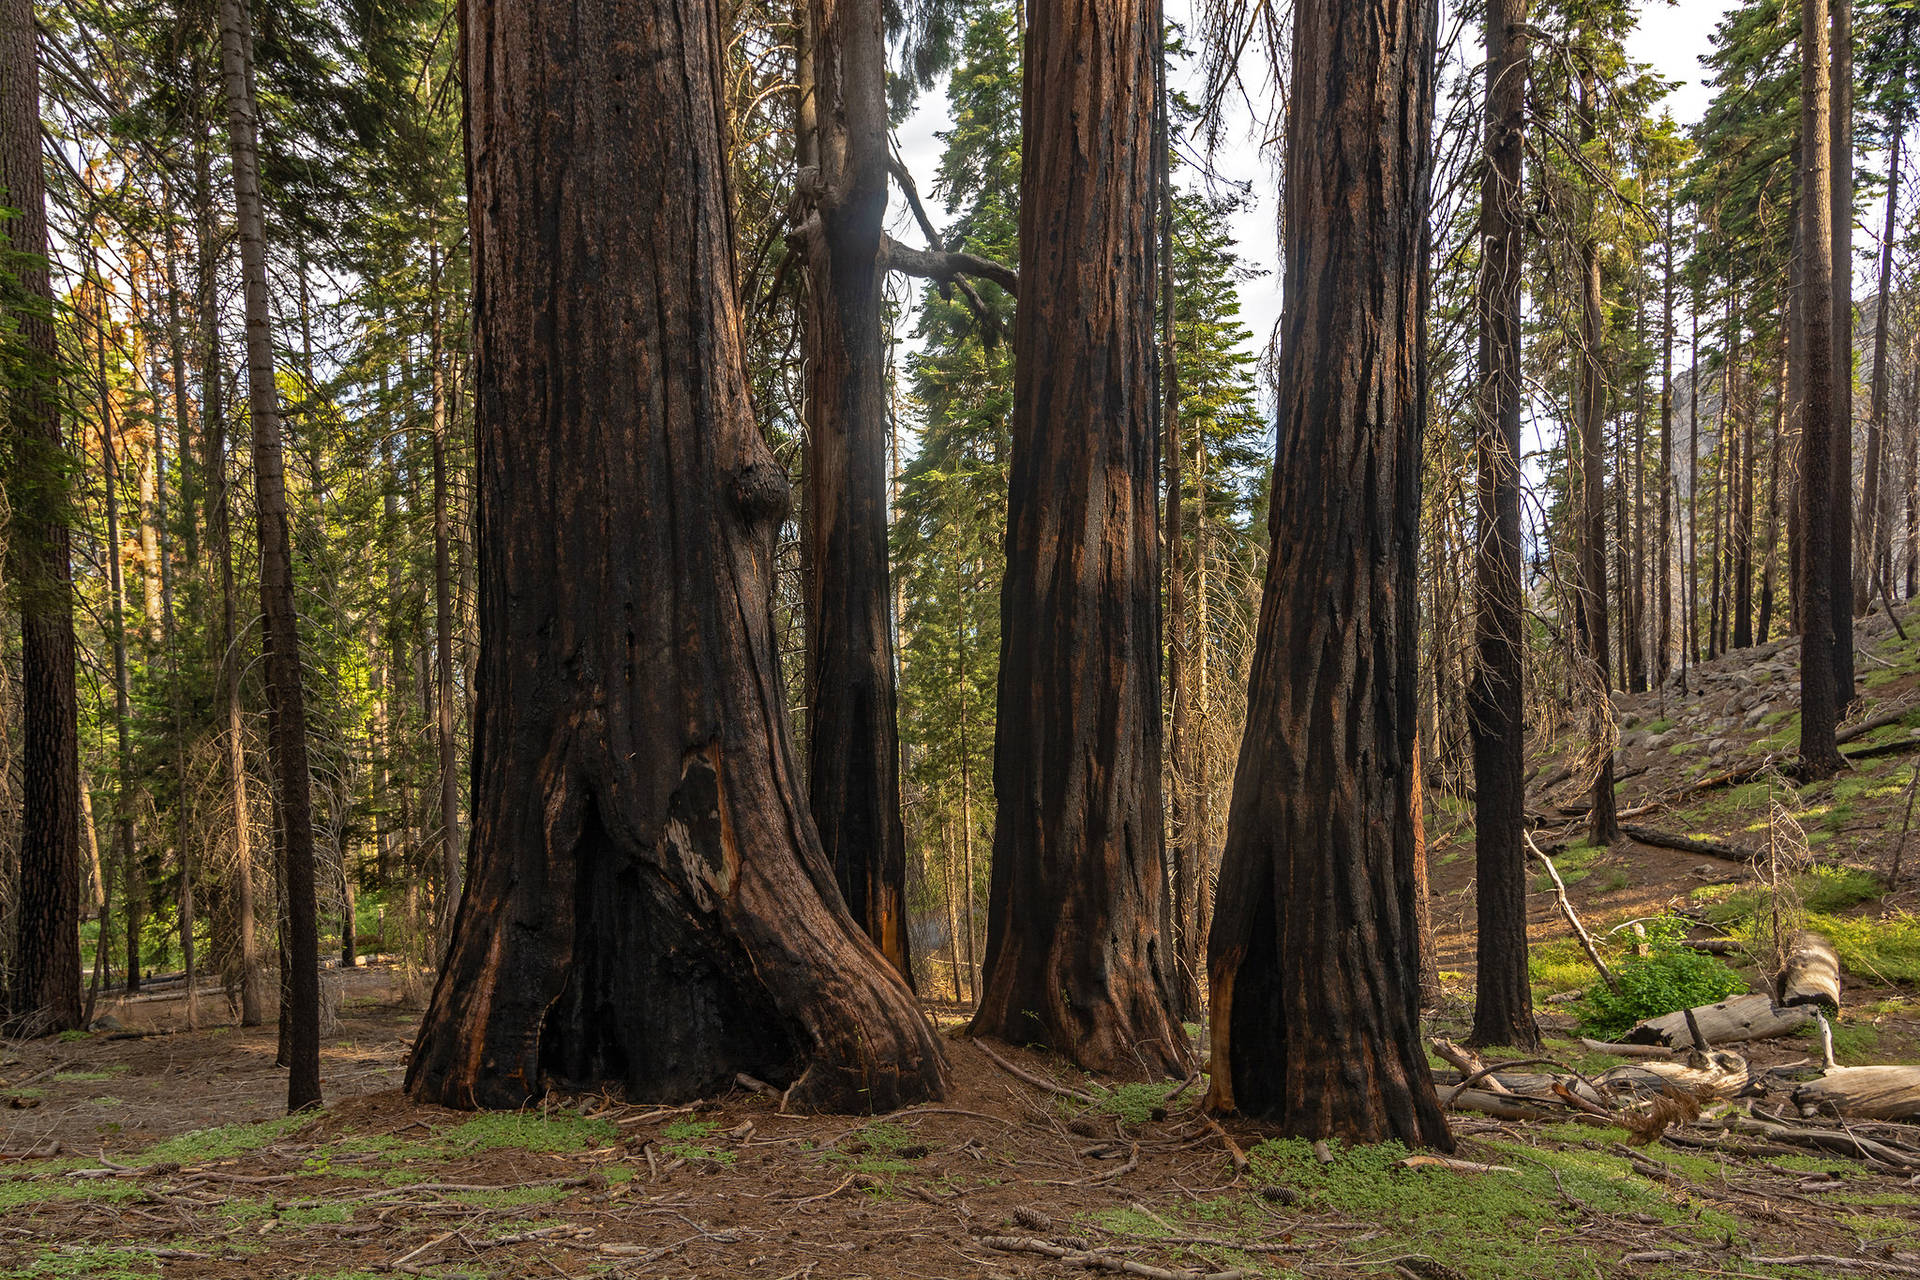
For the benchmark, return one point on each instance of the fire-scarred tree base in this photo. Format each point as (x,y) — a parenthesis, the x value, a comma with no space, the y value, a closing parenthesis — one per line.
(647,903)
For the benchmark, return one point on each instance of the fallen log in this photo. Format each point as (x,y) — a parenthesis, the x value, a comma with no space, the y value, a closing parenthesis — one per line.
(1519,1086)
(1848,1144)
(1720,1073)
(1812,973)
(1690,844)
(1657,1051)
(1891,747)
(1749,1017)
(1863,1093)
(1715,946)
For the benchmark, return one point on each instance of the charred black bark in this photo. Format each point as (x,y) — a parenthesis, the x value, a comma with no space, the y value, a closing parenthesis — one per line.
(647,900)
(1079,949)
(1312,959)
(1503,992)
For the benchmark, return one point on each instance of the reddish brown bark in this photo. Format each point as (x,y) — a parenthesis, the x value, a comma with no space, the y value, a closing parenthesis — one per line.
(647,901)
(1313,956)
(1079,948)
(45,996)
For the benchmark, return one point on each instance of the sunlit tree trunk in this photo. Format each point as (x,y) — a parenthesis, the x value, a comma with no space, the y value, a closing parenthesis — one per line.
(213,419)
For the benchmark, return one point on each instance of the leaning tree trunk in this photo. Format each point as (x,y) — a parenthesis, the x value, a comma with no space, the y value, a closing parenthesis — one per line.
(45,995)
(1503,999)
(853,744)
(1825,596)
(1079,944)
(286,706)
(647,899)
(1312,960)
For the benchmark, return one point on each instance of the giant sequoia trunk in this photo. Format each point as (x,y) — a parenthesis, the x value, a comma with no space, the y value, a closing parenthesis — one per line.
(1312,960)
(1825,596)
(1079,948)
(46,980)
(647,901)
(286,704)
(853,744)
(1503,999)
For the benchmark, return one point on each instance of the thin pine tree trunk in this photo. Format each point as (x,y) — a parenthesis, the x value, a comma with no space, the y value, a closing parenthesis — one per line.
(1875,502)
(286,705)
(449,781)
(213,420)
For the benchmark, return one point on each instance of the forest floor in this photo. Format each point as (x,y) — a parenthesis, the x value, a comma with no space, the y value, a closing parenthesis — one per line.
(151,1151)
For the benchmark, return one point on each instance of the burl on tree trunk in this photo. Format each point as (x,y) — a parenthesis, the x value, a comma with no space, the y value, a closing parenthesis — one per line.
(647,900)
(1313,956)
(1079,944)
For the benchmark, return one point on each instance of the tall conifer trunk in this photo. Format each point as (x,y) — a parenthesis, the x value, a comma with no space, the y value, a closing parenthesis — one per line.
(1503,996)
(1312,962)
(1840,192)
(1079,948)
(286,706)
(45,995)
(853,743)
(648,902)
(1591,615)
(1826,597)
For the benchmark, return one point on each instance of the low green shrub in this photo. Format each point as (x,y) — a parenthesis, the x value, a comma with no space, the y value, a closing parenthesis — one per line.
(1668,978)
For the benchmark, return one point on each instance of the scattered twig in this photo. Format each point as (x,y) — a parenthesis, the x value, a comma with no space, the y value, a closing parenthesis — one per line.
(1095,1261)
(1566,909)
(1038,1082)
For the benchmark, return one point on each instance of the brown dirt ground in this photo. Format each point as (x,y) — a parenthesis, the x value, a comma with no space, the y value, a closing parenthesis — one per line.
(377,1186)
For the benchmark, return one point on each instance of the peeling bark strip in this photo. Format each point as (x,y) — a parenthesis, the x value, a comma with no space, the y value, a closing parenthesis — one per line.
(1078,939)
(1312,957)
(647,900)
